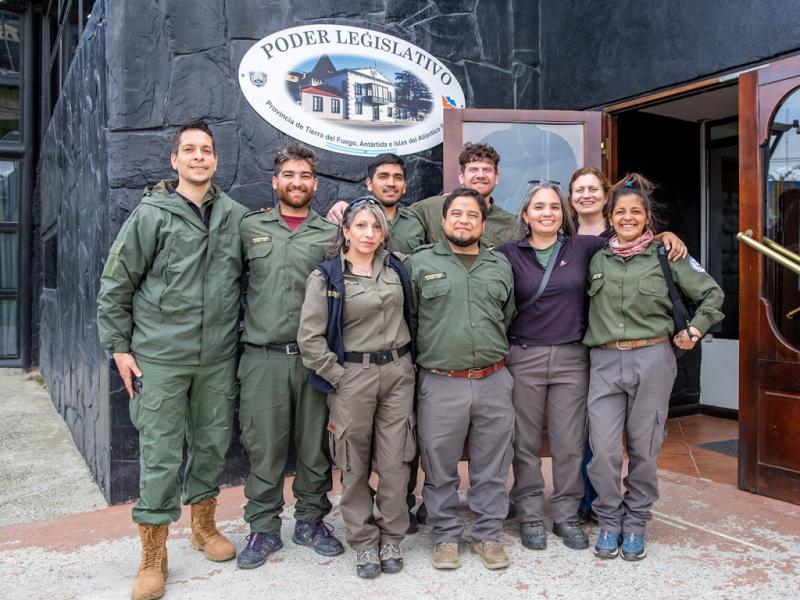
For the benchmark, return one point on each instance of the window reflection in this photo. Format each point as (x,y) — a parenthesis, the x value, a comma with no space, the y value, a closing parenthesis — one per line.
(8,328)
(9,192)
(782,286)
(9,77)
(529,151)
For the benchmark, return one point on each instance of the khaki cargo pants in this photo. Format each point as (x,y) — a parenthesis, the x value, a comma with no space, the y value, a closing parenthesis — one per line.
(371,427)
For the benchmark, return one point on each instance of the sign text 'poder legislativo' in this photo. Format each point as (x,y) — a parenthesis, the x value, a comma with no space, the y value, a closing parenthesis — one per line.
(349,90)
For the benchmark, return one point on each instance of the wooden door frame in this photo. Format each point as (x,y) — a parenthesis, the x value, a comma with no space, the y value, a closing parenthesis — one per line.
(760,94)
(454,120)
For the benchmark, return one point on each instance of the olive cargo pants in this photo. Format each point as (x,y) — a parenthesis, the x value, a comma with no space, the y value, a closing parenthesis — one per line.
(277,401)
(176,401)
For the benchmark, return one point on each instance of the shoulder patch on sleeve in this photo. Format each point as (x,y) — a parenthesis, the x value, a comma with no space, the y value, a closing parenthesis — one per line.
(597,276)
(696,266)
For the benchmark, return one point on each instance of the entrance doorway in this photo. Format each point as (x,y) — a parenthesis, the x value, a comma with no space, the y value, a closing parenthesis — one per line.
(689,147)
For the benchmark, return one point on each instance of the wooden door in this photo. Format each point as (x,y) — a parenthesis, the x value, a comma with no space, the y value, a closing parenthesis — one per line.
(533,144)
(769,355)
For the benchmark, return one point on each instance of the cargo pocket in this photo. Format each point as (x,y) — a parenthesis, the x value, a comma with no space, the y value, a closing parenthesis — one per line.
(250,439)
(411,439)
(144,407)
(659,432)
(337,446)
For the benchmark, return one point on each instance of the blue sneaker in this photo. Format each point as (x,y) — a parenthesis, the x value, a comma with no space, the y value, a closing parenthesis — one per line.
(259,547)
(607,545)
(317,535)
(633,546)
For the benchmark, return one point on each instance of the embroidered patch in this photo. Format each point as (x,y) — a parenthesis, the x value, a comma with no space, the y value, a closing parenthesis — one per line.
(562,263)
(597,276)
(333,294)
(259,240)
(696,266)
(351,282)
(434,276)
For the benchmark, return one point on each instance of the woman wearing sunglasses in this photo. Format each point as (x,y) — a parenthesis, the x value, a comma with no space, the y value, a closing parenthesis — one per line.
(549,363)
(355,336)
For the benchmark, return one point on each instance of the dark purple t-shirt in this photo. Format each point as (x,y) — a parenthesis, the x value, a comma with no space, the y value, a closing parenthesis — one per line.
(559,315)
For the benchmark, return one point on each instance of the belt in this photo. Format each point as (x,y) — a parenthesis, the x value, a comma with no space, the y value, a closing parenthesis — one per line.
(377,358)
(291,348)
(633,344)
(474,373)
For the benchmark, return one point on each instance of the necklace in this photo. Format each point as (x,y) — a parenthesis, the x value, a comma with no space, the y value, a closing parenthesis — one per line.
(361,271)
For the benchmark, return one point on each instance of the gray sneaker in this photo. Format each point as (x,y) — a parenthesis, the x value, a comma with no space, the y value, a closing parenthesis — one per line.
(368,565)
(391,558)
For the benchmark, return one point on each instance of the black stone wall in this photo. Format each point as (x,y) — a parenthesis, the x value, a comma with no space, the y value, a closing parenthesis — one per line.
(146,67)
(72,192)
(594,53)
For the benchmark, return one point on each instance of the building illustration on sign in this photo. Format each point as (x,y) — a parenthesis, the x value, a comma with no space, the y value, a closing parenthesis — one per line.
(362,95)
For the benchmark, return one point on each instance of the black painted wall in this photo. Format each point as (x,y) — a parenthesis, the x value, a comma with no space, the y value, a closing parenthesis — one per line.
(594,53)
(144,68)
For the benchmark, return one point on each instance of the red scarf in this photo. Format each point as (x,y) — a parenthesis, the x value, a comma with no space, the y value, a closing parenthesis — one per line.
(633,248)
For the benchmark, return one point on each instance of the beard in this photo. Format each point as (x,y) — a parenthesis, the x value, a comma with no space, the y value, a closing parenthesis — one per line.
(290,200)
(462,242)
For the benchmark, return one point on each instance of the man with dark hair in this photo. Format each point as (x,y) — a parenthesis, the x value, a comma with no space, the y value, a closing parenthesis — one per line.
(478,169)
(386,181)
(282,247)
(168,310)
(463,299)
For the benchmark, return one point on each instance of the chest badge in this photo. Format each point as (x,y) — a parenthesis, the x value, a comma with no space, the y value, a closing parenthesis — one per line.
(434,276)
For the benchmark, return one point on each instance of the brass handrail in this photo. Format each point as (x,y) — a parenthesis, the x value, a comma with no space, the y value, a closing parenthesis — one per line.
(793,312)
(781,250)
(747,238)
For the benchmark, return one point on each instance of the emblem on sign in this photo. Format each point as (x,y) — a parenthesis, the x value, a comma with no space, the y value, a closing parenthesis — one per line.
(257,78)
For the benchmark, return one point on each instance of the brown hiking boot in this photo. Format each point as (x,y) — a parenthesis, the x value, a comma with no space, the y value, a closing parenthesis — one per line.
(149,582)
(445,556)
(205,535)
(492,553)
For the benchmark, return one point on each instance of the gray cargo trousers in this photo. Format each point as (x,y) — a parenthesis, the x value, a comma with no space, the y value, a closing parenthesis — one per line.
(628,392)
(447,409)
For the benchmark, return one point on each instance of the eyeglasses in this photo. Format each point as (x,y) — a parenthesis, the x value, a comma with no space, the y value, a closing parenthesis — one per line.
(534,182)
(360,203)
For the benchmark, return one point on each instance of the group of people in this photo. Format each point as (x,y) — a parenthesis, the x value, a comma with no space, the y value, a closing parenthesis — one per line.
(402,336)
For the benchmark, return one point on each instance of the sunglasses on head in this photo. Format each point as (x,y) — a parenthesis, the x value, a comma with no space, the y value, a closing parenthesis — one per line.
(360,203)
(534,182)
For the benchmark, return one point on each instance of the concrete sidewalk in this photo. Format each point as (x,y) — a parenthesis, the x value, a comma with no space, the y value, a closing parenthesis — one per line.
(708,541)
(42,472)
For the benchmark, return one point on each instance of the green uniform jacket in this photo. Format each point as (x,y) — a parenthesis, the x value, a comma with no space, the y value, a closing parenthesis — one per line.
(460,317)
(629,299)
(170,289)
(280,260)
(499,223)
(406,232)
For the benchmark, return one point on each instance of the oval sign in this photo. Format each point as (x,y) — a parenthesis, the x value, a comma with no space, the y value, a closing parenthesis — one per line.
(349,90)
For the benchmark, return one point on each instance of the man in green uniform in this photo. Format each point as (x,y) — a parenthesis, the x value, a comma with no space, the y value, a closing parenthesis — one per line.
(463,297)
(477,170)
(282,247)
(386,181)
(168,310)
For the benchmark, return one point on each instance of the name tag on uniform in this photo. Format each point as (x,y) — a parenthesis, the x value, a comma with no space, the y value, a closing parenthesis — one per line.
(434,276)
(597,276)
(259,240)
(351,282)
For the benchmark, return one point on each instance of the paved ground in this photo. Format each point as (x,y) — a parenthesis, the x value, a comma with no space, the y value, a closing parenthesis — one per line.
(708,540)
(43,475)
